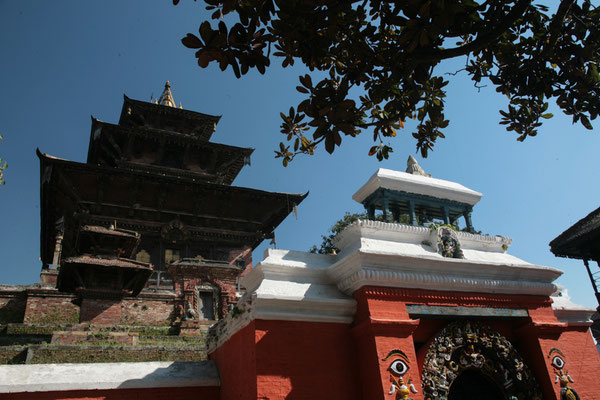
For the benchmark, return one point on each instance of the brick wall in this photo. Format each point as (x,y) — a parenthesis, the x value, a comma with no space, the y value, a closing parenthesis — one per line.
(140,311)
(100,311)
(279,360)
(582,361)
(51,307)
(12,305)
(236,362)
(306,360)
(38,305)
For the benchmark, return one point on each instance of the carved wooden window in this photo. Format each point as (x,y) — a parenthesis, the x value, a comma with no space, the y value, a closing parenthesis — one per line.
(171,255)
(142,256)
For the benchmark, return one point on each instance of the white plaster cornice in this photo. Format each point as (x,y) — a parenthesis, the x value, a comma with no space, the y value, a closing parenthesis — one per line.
(417,184)
(374,267)
(441,282)
(575,317)
(569,312)
(397,255)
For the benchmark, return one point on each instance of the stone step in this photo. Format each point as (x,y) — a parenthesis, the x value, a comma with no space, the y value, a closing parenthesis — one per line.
(172,339)
(16,340)
(58,354)
(48,329)
(34,334)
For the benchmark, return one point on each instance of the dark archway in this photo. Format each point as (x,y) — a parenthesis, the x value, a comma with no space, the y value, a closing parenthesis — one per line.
(472,384)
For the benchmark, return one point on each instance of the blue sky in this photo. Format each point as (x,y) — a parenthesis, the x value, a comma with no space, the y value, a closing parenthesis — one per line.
(64,61)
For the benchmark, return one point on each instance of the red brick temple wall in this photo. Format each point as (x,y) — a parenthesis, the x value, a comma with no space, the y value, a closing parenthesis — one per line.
(382,324)
(236,362)
(276,359)
(289,360)
(143,311)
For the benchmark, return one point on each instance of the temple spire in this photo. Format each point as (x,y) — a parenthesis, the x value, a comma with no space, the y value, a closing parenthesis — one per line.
(166,98)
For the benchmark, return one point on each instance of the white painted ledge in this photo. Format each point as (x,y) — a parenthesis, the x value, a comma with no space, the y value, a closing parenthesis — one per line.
(569,312)
(98,376)
(395,255)
(386,232)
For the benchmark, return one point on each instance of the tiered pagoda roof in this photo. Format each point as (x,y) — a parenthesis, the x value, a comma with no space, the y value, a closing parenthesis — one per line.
(113,146)
(136,198)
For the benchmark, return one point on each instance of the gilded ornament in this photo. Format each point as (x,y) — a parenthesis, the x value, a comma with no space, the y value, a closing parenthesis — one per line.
(475,346)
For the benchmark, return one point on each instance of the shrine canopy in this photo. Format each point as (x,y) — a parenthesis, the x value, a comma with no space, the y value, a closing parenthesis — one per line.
(581,241)
(416,194)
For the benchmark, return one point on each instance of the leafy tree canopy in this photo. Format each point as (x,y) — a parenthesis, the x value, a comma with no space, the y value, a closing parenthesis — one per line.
(388,50)
(327,246)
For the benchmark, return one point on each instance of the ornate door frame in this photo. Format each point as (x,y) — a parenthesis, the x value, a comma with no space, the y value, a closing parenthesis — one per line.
(463,345)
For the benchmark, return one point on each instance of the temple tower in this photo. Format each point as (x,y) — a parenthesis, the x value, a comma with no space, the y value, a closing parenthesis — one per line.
(156,177)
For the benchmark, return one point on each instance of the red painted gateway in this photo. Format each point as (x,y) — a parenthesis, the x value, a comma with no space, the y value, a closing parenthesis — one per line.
(406,311)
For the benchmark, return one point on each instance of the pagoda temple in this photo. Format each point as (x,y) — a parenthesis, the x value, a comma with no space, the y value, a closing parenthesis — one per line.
(421,311)
(153,211)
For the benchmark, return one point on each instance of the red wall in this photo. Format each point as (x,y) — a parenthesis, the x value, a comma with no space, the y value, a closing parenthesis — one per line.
(236,362)
(291,360)
(384,325)
(306,360)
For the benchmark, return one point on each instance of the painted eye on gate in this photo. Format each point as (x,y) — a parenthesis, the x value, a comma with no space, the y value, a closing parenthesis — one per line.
(558,362)
(399,367)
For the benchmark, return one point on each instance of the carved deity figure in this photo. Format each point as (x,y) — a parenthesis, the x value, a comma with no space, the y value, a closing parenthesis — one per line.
(190,313)
(448,244)
(562,375)
(398,369)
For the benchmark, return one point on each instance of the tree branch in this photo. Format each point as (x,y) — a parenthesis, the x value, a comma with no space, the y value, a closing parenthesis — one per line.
(482,39)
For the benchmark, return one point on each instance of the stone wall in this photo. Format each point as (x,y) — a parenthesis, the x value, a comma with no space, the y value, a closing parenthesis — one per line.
(12,303)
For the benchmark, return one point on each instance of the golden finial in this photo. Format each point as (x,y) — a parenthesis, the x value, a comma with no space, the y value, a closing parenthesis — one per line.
(166,98)
(180,105)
